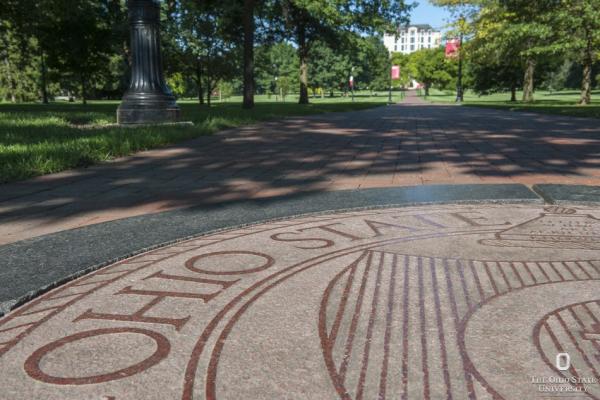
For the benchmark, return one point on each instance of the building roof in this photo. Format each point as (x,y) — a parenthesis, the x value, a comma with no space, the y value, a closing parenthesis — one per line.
(418,26)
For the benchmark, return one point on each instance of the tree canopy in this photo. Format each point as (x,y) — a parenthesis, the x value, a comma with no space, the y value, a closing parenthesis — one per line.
(526,43)
(79,48)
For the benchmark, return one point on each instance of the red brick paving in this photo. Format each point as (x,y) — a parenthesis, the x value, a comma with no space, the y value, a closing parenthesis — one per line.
(414,143)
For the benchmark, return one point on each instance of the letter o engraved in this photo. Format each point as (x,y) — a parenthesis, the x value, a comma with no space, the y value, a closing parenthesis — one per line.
(563,361)
(190,264)
(32,365)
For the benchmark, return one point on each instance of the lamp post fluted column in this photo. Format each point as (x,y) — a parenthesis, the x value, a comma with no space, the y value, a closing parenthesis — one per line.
(148,99)
(459,84)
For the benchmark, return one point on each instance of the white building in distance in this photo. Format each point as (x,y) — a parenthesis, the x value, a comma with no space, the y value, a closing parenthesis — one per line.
(412,38)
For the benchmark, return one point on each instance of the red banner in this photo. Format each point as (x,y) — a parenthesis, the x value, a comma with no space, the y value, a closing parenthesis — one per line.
(452,47)
(395,72)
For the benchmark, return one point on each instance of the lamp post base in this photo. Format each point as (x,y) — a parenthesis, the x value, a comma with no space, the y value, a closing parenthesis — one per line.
(146,116)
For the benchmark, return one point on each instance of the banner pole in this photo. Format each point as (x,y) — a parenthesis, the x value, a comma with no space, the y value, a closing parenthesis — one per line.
(390,92)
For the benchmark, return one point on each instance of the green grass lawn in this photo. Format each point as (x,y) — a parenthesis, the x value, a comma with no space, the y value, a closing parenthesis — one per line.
(560,103)
(38,139)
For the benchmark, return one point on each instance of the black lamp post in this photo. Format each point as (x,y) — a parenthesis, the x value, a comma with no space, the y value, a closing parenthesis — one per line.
(148,99)
(391,79)
(352,83)
(459,85)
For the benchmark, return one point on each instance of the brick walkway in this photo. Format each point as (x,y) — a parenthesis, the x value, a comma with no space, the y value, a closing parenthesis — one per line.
(413,143)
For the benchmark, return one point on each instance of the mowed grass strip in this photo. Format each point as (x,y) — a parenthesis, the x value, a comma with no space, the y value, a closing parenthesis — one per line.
(556,103)
(38,139)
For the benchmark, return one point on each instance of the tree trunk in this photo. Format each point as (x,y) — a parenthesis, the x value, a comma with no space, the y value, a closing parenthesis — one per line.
(207,75)
(303,55)
(513,92)
(83,91)
(586,84)
(209,90)
(528,81)
(44,80)
(11,82)
(426,90)
(586,81)
(248,53)
(199,81)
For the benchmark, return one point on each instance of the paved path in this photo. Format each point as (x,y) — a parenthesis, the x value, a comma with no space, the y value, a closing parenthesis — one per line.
(431,302)
(414,143)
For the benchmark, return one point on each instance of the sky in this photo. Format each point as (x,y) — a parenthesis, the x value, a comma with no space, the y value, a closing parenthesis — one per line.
(426,13)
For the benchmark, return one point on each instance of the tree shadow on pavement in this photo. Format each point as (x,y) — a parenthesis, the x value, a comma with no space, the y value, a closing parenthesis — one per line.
(386,146)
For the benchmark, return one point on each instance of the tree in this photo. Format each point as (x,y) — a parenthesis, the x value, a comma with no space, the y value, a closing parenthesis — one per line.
(579,25)
(304,27)
(283,87)
(403,61)
(69,46)
(273,63)
(328,68)
(26,26)
(373,61)
(19,72)
(202,44)
(495,55)
(81,45)
(510,35)
(496,77)
(365,58)
(528,24)
(430,67)
(251,13)
(332,20)
(463,12)
(248,23)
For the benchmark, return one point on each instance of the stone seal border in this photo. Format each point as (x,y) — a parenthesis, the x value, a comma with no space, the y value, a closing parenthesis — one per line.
(400,302)
(34,266)
(568,194)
